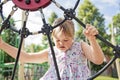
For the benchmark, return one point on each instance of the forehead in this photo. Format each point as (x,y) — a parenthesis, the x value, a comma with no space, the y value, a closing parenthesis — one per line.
(61,35)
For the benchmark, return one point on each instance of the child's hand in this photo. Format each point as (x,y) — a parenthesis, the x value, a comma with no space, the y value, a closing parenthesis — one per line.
(1,41)
(90,32)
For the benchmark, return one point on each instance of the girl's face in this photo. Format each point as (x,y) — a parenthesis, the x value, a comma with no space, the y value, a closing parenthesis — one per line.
(62,42)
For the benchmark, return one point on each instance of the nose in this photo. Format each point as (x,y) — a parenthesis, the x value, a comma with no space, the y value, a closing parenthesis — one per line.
(61,43)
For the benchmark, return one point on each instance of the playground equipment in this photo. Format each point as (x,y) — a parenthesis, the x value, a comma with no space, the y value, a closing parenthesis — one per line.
(38,5)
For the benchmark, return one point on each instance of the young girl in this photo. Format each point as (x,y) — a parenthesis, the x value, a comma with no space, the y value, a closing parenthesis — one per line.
(71,56)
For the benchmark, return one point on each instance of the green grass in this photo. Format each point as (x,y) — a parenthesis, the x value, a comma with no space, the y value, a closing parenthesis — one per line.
(105,78)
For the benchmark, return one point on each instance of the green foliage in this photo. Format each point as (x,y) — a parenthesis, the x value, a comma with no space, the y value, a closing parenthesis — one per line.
(116,21)
(33,48)
(116,26)
(118,39)
(52,18)
(97,67)
(45,41)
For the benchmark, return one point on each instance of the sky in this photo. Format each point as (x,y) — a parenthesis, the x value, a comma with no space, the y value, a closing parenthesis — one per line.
(108,8)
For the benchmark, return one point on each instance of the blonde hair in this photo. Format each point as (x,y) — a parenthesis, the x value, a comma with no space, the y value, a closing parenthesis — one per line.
(67,28)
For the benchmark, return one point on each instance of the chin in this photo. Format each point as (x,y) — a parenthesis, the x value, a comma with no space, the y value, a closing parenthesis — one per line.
(63,50)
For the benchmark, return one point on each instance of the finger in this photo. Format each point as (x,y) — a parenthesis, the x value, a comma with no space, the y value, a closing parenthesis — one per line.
(94,31)
(88,28)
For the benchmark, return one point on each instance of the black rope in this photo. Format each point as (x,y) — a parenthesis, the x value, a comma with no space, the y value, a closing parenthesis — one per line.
(6,23)
(1,12)
(76,5)
(1,7)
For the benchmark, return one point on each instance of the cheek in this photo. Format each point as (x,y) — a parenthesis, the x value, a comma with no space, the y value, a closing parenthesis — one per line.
(68,44)
(56,44)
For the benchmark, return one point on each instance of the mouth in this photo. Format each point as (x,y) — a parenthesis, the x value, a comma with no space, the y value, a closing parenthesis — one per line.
(62,47)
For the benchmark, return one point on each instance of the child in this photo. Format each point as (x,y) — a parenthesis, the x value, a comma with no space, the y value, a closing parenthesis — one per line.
(71,56)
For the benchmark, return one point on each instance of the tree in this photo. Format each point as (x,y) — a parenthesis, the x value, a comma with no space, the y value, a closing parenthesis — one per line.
(52,17)
(115,37)
(116,24)
(88,13)
(33,48)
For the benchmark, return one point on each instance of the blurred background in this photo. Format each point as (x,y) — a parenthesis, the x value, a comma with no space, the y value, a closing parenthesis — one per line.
(103,14)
